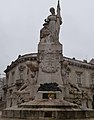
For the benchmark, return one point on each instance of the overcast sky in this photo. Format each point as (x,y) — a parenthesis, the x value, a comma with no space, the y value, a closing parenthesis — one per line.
(21,21)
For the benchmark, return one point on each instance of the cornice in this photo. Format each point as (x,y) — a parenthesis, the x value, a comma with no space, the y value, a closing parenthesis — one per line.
(21,59)
(34,56)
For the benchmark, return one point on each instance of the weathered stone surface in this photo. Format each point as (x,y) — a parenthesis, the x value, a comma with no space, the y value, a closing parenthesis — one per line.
(66,82)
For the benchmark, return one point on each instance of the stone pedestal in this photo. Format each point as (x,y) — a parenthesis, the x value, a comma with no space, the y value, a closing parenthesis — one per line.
(50,57)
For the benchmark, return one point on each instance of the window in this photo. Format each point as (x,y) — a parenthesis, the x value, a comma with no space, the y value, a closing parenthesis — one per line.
(48,114)
(92,79)
(78,78)
(13,73)
(93,102)
(7,76)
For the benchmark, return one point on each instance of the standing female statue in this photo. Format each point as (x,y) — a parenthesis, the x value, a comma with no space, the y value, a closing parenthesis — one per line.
(54,22)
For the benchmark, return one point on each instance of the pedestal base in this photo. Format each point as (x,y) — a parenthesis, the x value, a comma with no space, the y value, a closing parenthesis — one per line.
(47,109)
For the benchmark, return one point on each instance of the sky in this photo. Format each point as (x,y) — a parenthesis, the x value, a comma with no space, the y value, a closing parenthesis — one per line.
(21,21)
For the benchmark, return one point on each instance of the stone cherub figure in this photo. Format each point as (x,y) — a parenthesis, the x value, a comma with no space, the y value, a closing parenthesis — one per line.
(53,23)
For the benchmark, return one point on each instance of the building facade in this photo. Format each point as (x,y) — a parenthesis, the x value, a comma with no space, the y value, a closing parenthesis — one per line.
(78,81)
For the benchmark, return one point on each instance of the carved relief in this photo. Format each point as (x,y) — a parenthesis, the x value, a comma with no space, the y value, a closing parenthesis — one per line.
(45,34)
(26,91)
(65,72)
(49,87)
(21,68)
(33,66)
(50,63)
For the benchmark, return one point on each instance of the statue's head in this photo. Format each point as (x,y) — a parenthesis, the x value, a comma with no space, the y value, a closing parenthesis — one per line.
(52,10)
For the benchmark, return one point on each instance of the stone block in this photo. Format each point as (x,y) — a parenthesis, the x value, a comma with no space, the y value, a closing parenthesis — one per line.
(17,114)
(10,113)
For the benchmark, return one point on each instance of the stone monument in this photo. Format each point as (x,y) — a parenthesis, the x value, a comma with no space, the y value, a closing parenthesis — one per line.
(49,81)
(50,51)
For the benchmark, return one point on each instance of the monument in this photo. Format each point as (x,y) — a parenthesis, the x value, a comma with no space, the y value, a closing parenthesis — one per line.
(47,85)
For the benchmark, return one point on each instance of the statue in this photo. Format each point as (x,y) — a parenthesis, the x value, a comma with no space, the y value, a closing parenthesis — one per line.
(45,34)
(26,92)
(65,72)
(53,24)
